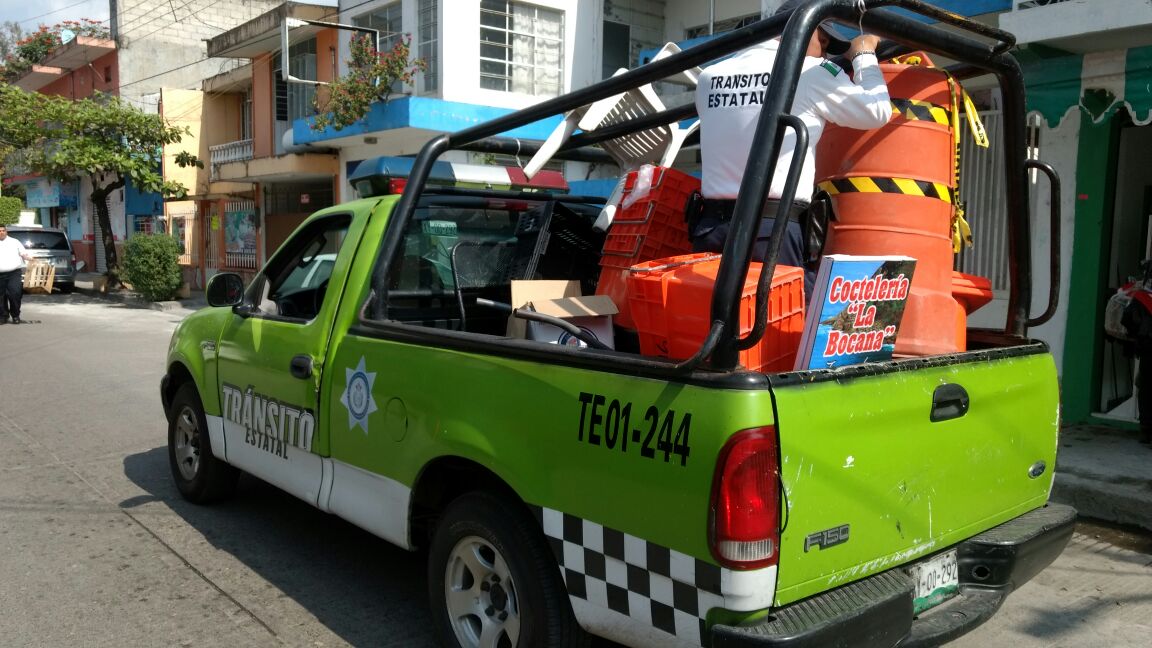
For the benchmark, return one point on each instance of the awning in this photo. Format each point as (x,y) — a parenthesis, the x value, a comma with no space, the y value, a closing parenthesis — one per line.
(1099,83)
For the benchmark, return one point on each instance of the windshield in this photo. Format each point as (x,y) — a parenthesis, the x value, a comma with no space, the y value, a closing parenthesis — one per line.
(33,240)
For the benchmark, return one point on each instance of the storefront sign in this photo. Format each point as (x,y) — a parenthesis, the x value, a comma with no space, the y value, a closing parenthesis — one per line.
(42,193)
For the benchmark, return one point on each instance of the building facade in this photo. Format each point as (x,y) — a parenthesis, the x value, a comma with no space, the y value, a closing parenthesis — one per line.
(1088,78)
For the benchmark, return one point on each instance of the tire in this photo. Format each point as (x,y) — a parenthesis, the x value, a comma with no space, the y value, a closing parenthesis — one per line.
(493,582)
(200,477)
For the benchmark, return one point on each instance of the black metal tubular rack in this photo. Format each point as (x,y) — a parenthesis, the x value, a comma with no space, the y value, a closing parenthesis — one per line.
(976,46)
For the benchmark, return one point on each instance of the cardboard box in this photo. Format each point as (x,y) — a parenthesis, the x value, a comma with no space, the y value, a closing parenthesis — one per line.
(562,299)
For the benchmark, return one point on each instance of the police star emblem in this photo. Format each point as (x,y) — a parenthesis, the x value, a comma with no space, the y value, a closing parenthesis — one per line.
(357,396)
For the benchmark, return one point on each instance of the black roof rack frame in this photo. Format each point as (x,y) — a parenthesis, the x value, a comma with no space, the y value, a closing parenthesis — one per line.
(978,48)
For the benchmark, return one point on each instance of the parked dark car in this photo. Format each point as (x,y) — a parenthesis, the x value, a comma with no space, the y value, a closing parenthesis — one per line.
(49,243)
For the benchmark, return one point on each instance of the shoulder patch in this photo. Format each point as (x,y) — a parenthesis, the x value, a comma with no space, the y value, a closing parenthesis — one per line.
(832,68)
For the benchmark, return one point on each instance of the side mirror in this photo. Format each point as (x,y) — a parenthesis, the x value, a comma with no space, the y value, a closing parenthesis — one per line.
(225,289)
(80,265)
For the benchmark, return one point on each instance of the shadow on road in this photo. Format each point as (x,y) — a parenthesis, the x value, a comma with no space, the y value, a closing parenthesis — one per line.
(363,589)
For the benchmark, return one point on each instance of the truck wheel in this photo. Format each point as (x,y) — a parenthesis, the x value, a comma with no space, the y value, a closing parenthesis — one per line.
(493,582)
(200,477)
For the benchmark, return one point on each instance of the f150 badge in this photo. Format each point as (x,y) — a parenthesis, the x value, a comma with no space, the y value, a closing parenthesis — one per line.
(826,538)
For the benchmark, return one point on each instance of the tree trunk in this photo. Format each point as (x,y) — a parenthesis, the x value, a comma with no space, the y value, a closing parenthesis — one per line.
(104,222)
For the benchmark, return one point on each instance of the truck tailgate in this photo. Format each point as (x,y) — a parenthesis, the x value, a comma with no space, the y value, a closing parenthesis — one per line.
(872,482)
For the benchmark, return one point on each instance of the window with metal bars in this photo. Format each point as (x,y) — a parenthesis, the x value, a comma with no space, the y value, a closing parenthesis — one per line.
(388,21)
(294,100)
(721,26)
(521,48)
(427,42)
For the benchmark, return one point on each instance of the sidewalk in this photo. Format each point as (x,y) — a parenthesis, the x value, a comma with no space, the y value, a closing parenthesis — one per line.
(86,284)
(1106,473)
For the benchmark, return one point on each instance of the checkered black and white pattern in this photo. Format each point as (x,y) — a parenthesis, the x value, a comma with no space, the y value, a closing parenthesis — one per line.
(654,585)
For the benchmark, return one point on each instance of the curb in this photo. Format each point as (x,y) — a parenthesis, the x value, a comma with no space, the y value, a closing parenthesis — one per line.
(1121,503)
(1106,474)
(134,300)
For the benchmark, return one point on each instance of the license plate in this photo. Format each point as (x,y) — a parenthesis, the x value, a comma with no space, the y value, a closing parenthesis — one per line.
(936,581)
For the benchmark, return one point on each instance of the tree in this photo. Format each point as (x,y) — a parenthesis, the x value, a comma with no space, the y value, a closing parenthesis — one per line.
(10,34)
(102,138)
(370,77)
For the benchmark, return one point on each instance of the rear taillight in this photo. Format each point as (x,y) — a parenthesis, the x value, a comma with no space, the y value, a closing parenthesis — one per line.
(396,185)
(745,529)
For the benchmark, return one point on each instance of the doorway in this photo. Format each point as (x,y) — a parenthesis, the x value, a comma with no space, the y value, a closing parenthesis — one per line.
(1131,243)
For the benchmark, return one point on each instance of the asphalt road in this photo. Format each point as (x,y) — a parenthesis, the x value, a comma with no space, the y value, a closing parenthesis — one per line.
(97,548)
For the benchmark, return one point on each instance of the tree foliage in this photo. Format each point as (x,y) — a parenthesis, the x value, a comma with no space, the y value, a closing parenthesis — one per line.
(371,75)
(152,265)
(101,138)
(10,207)
(10,33)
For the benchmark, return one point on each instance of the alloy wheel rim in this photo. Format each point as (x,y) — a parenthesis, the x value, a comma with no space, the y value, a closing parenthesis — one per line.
(481,597)
(186,445)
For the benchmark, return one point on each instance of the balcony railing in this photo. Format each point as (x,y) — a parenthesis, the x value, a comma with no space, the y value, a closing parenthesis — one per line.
(237,151)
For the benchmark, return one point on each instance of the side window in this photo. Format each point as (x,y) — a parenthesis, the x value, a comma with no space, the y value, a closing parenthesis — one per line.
(294,283)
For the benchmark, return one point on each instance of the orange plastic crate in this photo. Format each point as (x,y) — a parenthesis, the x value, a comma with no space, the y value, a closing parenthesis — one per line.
(613,282)
(670,301)
(651,228)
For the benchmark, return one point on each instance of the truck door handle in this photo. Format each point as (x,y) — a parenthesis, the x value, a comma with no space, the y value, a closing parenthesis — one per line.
(948,402)
(301,366)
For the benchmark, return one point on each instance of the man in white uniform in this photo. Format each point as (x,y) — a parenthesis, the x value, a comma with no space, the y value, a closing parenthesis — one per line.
(728,99)
(12,258)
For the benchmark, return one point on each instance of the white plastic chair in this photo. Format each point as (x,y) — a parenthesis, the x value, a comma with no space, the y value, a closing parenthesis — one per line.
(657,145)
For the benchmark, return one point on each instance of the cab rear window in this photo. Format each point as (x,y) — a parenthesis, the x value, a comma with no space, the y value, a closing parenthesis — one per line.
(460,248)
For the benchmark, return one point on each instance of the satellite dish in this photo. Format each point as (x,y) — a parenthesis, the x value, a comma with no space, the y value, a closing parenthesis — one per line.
(66,35)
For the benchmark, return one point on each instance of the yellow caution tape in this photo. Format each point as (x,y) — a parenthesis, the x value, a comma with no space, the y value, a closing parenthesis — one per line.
(902,186)
(916,110)
(961,231)
(975,124)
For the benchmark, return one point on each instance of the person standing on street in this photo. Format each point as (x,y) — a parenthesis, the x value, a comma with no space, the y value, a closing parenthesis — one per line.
(12,258)
(728,99)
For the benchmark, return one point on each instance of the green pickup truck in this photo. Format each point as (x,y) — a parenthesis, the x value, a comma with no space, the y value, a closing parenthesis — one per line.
(564,491)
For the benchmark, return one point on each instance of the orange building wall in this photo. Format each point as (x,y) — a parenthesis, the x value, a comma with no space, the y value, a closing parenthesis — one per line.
(263,107)
(82,82)
(263,90)
(327,51)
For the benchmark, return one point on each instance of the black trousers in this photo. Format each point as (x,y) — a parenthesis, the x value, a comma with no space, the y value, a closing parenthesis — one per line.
(712,229)
(11,292)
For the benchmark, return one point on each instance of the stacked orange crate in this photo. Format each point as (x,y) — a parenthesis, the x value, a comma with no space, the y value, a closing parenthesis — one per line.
(652,227)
